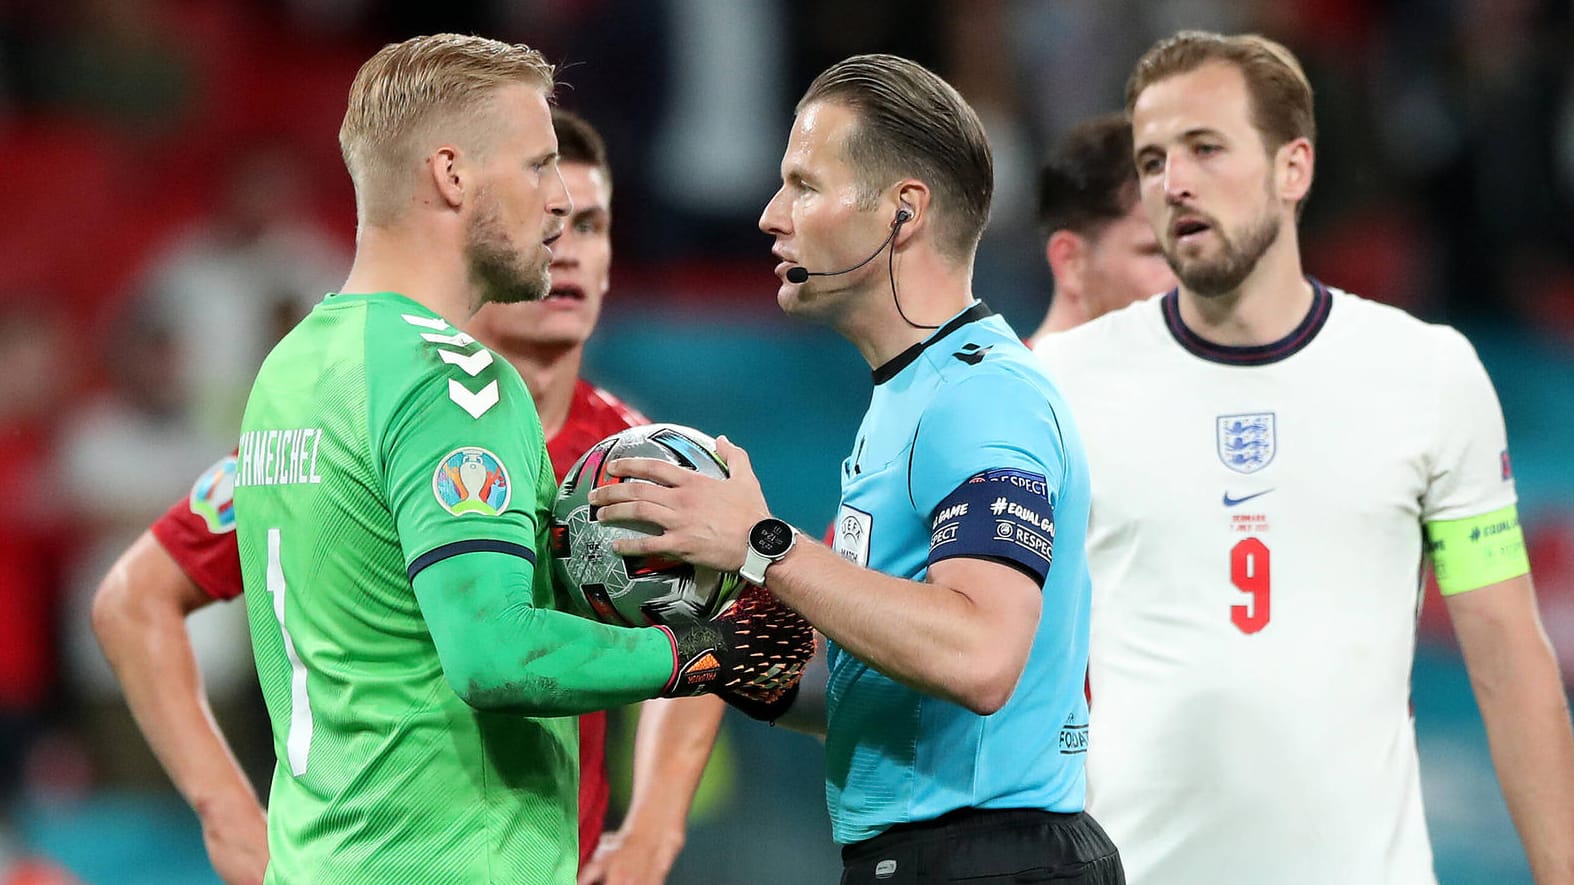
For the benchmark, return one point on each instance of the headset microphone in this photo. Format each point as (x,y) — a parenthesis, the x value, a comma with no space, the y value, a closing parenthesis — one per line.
(798,275)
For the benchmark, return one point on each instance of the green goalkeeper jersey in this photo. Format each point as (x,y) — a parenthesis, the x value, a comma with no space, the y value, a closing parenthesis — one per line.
(380,442)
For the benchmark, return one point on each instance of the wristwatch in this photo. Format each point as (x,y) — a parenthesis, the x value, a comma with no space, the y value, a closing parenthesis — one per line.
(769,541)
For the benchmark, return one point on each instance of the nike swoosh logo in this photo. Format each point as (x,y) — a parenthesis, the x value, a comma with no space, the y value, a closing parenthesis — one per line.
(1231,502)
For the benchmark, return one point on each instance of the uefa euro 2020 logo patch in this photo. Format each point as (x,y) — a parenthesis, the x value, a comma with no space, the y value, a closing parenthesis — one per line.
(471,480)
(213,496)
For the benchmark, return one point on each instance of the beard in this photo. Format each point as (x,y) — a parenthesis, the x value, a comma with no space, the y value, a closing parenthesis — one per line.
(1237,258)
(498,268)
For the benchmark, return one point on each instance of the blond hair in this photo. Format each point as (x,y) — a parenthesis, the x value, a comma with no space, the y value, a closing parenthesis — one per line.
(407,92)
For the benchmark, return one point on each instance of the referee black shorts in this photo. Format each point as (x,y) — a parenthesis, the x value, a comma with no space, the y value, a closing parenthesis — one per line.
(991,847)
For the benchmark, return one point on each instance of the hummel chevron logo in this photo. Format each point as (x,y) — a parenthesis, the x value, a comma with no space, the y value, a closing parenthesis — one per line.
(432,323)
(1231,502)
(972,354)
(475,403)
(471,363)
(459,339)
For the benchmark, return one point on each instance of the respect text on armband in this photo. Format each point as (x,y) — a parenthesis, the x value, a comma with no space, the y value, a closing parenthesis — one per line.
(1032,483)
(1001,514)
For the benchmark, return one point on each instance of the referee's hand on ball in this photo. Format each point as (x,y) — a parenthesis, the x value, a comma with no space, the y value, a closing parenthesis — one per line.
(704,520)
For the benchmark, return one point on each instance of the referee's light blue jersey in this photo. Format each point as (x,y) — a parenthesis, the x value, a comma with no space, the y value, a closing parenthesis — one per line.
(967,450)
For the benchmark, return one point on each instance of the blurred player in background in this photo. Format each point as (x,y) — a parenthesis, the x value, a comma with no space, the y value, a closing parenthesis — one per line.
(955,644)
(1099,245)
(1270,458)
(187,742)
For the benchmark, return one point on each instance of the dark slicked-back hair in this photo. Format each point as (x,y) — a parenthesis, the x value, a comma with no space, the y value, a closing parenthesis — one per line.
(579,142)
(912,124)
(1088,178)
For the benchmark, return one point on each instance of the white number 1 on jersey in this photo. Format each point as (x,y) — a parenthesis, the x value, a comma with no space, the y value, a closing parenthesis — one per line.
(298,741)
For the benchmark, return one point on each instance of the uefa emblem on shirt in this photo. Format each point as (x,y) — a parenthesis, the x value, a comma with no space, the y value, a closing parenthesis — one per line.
(1246,442)
(471,480)
(213,496)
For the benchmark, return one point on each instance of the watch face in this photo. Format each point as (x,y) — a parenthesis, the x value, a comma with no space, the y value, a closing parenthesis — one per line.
(770,537)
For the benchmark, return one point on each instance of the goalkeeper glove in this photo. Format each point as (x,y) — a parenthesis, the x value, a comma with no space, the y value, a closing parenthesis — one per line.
(766,706)
(756,648)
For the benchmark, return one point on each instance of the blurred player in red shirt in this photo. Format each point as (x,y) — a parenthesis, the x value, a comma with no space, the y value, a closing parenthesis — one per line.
(188,559)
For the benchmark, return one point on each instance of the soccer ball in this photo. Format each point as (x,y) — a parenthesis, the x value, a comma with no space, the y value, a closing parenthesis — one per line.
(634,591)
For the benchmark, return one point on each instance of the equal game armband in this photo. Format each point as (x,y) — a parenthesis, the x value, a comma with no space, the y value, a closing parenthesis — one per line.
(1474,552)
(1003,514)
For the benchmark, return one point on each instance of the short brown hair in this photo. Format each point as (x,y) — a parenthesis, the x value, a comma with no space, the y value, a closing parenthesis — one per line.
(911,122)
(1281,97)
(579,142)
(406,90)
(1088,179)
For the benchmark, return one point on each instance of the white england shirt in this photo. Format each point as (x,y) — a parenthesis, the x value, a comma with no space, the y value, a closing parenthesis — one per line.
(1256,550)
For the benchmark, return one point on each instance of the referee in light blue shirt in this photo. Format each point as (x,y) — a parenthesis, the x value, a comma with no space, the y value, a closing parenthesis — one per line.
(956,599)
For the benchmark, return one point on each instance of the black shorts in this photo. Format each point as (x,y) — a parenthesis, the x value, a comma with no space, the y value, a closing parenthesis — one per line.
(987,848)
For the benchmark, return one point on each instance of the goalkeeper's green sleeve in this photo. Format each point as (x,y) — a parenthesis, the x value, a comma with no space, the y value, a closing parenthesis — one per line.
(500,652)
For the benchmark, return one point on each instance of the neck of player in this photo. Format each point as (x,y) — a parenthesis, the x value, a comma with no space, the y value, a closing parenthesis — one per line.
(397,259)
(1268,305)
(550,373)
(1064,313)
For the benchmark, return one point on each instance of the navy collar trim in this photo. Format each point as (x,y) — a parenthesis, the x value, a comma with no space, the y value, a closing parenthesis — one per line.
(897,363)
(1255,354)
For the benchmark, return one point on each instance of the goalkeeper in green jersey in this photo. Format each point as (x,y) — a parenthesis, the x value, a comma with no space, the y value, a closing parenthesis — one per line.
(392,489)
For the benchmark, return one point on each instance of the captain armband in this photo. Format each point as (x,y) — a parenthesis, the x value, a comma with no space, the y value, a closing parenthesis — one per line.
(1474,552)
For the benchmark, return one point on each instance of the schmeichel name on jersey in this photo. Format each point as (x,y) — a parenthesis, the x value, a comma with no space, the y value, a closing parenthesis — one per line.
(278,457)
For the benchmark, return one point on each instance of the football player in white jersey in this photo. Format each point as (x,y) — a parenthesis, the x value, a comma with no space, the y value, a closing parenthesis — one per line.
(1270,459)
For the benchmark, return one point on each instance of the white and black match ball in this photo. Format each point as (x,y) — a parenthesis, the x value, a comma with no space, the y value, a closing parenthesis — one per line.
(634,591)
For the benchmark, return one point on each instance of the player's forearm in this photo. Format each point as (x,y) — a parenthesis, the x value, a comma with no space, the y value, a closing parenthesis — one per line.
(502,654)
(671,748)
(929,637)
(1520,692)
(1527,721)
(1535,767)
(140,622)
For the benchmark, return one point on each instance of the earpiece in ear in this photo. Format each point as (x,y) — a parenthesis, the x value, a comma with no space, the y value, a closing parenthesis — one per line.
(903,216)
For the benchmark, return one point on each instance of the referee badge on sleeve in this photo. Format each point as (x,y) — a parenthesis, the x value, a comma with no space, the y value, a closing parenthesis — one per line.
(472,480)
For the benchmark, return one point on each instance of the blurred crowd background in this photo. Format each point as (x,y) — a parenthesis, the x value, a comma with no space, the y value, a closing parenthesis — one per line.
(176,201)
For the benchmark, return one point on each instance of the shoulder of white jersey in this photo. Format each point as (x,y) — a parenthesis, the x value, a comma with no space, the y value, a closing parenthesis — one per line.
(1107,337)
(1396,328)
